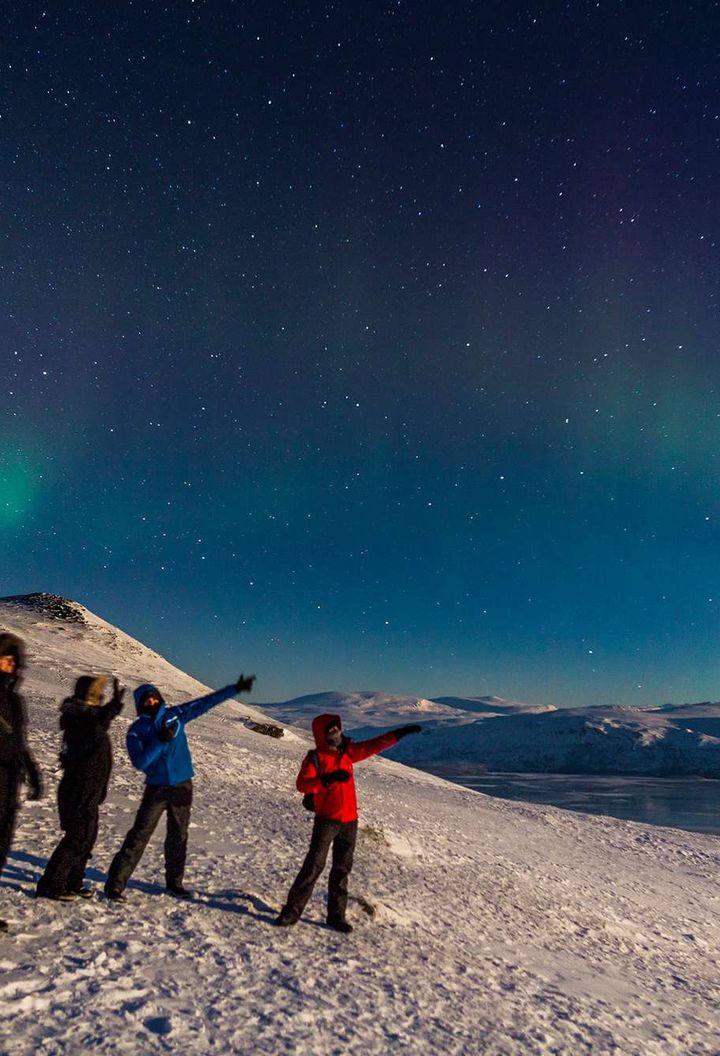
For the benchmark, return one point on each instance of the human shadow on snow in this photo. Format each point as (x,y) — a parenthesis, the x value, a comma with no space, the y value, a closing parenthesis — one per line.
(16,870)
(14,874)
(23,868)
(227,901)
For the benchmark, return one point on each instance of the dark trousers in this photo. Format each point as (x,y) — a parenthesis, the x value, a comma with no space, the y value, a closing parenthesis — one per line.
(79,818)
(342,835)
(176,801)
(9,786)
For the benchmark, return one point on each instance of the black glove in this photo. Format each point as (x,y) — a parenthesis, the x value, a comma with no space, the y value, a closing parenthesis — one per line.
(32,778)
(168,730)
(335,777)
(403,731)
(244,685)
(118,692)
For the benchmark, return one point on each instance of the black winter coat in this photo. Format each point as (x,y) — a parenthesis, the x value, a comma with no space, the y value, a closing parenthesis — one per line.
(12,724)
(14,752)
(86,754)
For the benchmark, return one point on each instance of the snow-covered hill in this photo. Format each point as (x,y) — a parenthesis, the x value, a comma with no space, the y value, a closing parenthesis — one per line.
(488,706)
(509,736)
(482,926)
(365,713)
(588,740)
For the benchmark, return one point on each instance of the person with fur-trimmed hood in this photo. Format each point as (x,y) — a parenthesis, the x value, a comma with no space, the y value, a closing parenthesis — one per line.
(16,761)
(327,774)
(86,760)
(157,745)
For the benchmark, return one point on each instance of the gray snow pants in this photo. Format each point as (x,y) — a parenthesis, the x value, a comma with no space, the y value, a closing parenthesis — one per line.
(176,801)
(342,836)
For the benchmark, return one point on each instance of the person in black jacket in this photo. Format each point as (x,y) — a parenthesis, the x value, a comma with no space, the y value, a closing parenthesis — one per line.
(86,759)
(16,761)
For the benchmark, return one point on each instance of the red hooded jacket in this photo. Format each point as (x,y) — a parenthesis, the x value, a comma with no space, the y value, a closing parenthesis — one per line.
(338,801)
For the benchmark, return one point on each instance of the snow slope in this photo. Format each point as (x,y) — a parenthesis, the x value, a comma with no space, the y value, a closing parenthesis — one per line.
(497,928)
(504,735)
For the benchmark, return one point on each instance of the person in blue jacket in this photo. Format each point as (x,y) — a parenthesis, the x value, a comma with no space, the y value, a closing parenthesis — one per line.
(157,745)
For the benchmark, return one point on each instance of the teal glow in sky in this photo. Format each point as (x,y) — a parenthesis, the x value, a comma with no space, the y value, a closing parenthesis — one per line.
(370,354)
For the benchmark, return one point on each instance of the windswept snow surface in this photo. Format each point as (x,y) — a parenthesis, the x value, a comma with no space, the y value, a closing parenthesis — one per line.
(497,928)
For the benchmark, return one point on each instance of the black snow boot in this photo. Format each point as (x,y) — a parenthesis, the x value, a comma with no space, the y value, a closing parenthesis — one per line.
(114,894)
(341,926)
(286,919)
(179,891)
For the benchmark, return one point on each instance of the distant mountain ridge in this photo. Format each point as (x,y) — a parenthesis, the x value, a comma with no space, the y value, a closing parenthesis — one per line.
(365,704)
(458,732)
(496,734)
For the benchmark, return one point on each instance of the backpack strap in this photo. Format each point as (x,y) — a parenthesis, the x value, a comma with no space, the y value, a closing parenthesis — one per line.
(309,797)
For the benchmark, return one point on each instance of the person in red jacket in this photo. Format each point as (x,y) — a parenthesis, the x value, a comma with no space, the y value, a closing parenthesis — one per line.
(327,773)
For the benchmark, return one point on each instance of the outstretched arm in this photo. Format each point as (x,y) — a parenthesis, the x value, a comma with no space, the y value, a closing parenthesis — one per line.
(193,709)
(359,750)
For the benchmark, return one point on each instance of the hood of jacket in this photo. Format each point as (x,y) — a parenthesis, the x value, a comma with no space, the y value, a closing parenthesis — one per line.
(73,710)
(11,645)
(143,691)
(89,689)
(320,724)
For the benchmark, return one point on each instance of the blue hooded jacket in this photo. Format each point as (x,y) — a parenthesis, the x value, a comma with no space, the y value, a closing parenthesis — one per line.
(167,762)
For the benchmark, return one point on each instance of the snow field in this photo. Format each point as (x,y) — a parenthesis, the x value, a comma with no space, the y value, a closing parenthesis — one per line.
(482,926)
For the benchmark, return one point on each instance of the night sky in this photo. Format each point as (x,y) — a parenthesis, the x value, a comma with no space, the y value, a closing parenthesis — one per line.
(369,345)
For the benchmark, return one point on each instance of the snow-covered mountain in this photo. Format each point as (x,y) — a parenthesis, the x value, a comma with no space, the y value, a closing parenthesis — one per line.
(505,735)
(488,706)
(583,740)
(483,927)
(366,711)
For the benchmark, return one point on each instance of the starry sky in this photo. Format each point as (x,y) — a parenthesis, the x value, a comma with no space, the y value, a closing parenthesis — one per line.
(369,345)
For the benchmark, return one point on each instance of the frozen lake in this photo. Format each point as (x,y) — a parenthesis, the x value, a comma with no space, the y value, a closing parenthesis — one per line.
(683,802)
